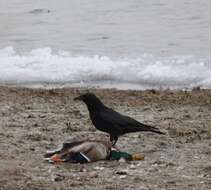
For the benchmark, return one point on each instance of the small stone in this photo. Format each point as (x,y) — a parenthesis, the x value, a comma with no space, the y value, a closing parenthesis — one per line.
(42,116)
(58,177)
(93,174)
(32,149)
(122,176)
(35,124)
(99,168)
(29,116)
(121,172)
(122,160)
(132,166)
(152,169)
(83,169)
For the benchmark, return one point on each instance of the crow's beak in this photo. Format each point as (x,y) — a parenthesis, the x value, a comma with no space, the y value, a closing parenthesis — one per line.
(78,98)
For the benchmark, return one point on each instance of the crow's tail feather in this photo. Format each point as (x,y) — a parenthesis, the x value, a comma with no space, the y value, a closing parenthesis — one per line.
(143,127)
(156,130)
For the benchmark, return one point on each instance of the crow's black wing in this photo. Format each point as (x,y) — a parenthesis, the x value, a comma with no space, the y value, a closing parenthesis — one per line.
(124,123)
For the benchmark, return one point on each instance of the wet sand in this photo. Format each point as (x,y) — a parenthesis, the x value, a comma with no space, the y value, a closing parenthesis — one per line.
(33,121)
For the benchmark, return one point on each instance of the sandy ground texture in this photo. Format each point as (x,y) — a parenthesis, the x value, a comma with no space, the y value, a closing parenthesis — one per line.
(33,121)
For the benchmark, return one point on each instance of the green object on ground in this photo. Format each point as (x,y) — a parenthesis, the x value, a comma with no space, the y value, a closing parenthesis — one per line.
(116,155)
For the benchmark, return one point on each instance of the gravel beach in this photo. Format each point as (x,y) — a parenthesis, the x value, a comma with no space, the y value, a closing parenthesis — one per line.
(33,121)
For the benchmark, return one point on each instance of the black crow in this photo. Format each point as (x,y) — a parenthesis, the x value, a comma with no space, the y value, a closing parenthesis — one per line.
(107,120)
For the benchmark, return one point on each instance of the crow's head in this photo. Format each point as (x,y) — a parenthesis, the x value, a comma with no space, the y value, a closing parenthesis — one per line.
(89,99)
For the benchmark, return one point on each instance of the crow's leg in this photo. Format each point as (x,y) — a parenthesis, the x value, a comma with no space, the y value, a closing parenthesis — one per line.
(114,142)
(113,139)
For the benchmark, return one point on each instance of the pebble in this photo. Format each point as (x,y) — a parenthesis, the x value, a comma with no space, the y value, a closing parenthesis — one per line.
(132,166)
(122,176)
(32,149)
(99,168)
(152,169)
(58,177)
(93,174)
(122,160)
(121,172)
(83,169)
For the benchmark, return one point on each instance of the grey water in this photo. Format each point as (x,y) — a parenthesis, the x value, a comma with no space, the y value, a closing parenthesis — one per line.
(115,28)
